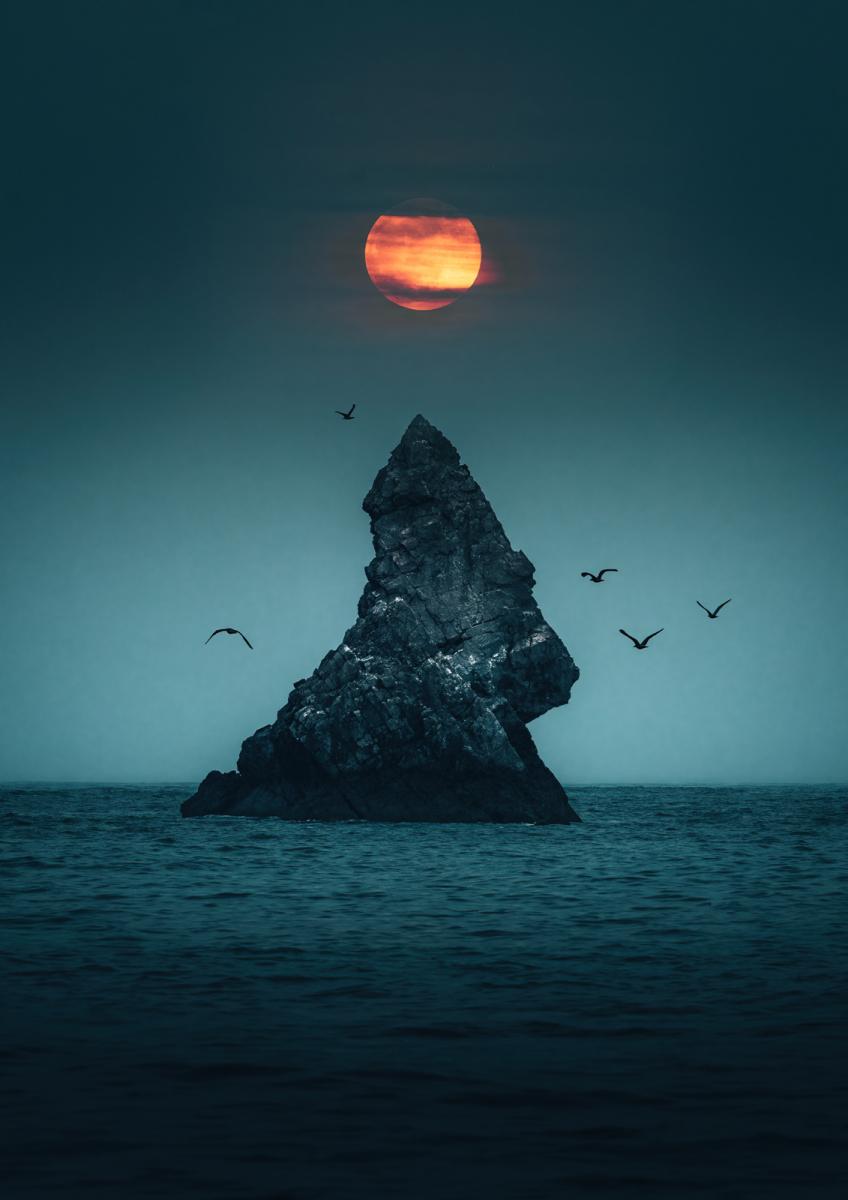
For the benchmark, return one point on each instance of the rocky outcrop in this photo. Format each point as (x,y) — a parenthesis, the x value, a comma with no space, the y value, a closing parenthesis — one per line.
(421,713)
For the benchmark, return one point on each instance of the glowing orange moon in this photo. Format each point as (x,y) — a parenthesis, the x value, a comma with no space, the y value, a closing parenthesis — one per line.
(423,255)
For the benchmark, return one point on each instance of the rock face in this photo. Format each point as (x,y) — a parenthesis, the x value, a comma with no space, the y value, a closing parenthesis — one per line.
(421,712)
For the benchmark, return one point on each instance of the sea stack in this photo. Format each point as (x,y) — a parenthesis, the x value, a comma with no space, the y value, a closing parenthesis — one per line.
(421,713)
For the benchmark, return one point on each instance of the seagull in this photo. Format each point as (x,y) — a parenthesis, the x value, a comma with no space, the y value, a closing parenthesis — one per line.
(238,631)
(348,416)
(714,614)
(644,642)
(599,578)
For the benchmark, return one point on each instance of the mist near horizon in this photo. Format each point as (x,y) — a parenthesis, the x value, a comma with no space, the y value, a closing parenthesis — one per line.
(653,380)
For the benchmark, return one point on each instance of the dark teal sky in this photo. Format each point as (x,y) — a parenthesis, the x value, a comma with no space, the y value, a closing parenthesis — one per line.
(656,382)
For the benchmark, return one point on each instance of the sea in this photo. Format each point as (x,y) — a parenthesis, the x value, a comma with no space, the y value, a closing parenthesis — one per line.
(649,1004)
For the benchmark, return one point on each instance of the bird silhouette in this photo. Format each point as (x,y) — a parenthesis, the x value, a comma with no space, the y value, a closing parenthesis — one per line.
(599,578)
(347,416)
(712,615)
(643,645)
(227,630)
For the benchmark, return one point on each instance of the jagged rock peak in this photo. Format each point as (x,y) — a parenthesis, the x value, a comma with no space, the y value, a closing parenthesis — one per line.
(416,469)
(420,713)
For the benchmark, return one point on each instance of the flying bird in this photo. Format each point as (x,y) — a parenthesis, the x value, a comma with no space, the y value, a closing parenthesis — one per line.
(714,614)
(599,578)
(238,631)
(347,416)
(644,643)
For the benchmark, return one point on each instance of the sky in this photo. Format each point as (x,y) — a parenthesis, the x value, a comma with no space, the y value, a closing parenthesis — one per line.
(652,379)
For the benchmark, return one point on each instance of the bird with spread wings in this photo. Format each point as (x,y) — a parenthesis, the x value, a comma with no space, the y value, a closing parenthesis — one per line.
(599,578)
(226,629)
(712,615)
(644,642)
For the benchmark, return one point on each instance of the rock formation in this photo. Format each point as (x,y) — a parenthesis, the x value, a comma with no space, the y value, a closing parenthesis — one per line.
(421,712)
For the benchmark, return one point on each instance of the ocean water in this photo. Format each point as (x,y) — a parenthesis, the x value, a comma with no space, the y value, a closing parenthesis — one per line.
(652,1003)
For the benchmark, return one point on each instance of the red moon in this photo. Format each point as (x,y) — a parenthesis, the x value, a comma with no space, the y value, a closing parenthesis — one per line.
(423,255)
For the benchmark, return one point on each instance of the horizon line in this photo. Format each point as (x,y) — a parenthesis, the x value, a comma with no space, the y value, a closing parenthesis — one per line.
(113,782)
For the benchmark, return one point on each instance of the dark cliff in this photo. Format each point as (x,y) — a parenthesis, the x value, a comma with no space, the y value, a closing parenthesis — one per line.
(421,712)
